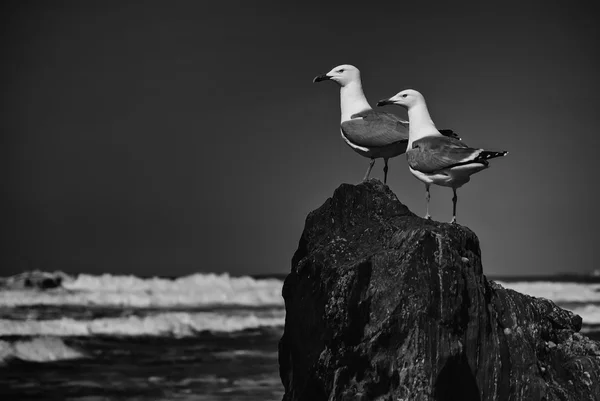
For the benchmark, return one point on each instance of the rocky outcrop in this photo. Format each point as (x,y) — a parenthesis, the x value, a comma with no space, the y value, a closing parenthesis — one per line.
(34,280)
(384,305)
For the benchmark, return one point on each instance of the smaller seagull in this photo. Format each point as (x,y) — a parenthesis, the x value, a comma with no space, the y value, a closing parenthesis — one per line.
(371,133)
(434,158)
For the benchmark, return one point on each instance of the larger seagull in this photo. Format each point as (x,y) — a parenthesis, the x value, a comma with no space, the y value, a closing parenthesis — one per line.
(371,133)
(434,158)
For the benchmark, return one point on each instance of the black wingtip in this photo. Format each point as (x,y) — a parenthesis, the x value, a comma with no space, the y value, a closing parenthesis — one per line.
(450,133)
(486,155)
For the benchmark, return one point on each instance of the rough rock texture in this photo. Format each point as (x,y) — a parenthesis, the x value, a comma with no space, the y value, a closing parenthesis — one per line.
(34,280)
(384,305)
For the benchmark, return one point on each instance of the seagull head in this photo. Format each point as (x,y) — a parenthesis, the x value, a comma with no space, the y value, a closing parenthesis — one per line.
(407,99)
(342,74)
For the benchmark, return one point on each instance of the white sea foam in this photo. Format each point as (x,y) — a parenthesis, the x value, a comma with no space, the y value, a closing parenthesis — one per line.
(176,324)
(580,298)
(589,313)
(557,291)
(45,349)
(194,290)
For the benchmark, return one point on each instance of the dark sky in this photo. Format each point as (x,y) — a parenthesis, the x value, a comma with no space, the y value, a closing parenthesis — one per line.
(166,138)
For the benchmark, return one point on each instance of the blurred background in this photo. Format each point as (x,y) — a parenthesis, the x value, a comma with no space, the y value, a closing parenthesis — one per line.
(155,139)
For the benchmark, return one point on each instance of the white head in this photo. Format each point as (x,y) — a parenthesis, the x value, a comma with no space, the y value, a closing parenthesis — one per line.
(407,98)
(342,74)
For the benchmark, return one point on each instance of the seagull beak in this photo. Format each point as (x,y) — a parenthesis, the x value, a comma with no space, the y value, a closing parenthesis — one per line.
(383,102)
(320,78)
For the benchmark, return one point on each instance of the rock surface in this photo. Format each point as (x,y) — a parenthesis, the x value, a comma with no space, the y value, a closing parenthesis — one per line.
(34,280)
(384,305)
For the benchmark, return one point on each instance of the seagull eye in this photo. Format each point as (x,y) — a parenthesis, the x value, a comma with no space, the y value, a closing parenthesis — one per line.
(340,71)
(404,95)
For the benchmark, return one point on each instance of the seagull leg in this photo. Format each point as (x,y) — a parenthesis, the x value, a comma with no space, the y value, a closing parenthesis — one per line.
(371,164)
(454,199)
(427,197)
(385,170)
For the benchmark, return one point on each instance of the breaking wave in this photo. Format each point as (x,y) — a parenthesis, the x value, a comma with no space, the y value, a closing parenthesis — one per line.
(44,349)
(194,290)
(589,313)
(175,324)
(559,292)
(580,298)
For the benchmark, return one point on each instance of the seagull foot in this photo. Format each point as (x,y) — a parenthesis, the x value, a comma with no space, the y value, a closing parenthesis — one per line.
(427,217)
(453,221)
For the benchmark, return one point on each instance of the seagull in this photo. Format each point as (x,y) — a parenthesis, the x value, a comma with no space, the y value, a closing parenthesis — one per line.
(371,133)
(434,158)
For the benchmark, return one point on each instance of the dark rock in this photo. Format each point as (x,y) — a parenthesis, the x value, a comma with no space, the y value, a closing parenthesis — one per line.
(34,280)
(384,305)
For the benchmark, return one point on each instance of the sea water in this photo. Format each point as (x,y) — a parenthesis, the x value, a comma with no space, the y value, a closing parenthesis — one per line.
(200,337)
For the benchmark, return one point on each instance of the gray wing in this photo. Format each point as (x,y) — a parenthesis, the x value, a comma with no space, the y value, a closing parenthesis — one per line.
(435,153)
(372,128)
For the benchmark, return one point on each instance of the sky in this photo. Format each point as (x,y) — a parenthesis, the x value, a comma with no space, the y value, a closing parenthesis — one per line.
(169,138)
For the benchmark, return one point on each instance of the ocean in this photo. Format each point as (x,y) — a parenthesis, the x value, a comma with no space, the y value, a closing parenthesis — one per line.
(200,337)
